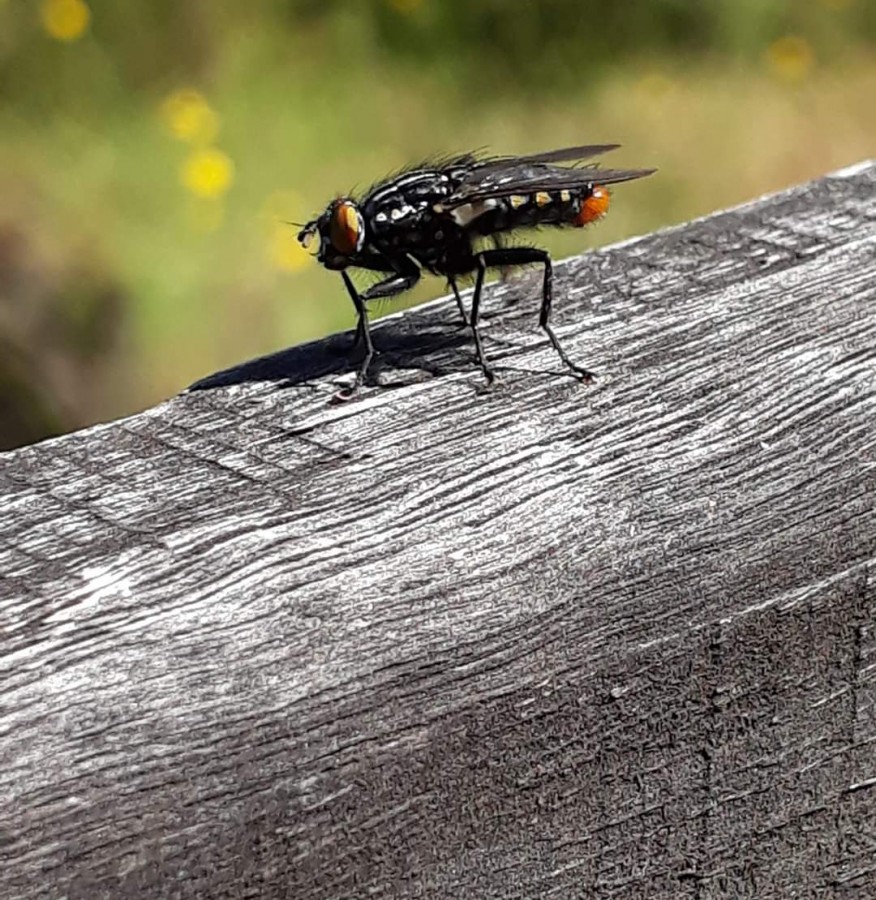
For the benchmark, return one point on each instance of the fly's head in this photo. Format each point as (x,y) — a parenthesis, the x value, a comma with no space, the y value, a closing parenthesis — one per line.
(341,232)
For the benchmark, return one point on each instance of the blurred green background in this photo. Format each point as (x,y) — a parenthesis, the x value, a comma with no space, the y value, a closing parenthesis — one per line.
(153,151)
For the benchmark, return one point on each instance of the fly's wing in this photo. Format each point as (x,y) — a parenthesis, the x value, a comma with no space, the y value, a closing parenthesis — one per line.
(523,176)
(566,154)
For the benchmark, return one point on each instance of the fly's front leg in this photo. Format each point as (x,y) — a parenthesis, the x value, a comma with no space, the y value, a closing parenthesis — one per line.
(389,287)
(363,332)
(395,284)
(515,256)
(358,335)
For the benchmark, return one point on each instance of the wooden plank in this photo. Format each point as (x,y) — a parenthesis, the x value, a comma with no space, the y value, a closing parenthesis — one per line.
(544,641)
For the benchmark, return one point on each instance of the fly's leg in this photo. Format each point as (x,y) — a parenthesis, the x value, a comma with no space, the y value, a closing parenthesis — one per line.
(358,336)
(544,319)
(459,304)
(515,256)
(475,315)
(499,244)
(395,284)
(363,332)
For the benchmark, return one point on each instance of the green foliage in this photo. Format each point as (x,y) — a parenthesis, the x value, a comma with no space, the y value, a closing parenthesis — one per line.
(521,45)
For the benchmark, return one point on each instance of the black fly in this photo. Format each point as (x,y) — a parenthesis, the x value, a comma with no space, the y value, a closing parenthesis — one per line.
(431,218)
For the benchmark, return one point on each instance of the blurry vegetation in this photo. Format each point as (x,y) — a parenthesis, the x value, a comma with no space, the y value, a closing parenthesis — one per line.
(152,152)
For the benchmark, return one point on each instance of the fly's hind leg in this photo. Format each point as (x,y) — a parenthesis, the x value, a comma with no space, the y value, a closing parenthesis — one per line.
(482,264)
(515,256)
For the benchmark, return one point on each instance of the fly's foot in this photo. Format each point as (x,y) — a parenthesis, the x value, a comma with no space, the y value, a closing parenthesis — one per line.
(583,375)
(489,378)
(344,395)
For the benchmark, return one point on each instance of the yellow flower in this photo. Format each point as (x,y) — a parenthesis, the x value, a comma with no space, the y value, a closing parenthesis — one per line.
(189,117)
(65,20)
(207,173)
(790,57)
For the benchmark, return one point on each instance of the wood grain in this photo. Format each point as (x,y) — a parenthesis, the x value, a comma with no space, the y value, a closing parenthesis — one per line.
(544,641)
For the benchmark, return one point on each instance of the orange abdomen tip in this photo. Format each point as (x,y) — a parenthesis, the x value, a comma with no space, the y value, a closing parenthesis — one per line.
(594,207)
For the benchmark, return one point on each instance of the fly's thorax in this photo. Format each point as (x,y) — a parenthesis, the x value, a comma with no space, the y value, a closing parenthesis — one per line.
(404,217)
(431,240)
(404,209)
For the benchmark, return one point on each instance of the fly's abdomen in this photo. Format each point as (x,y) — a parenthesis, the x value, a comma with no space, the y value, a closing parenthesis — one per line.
(577,207)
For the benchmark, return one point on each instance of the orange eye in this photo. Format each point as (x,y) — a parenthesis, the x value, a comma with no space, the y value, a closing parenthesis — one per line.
(594,207)
(345,228)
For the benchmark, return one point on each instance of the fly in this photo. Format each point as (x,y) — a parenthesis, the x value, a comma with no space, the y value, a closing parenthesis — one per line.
(433,217)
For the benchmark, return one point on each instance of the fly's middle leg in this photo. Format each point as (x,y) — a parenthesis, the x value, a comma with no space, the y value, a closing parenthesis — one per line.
(459,304)
(475,316)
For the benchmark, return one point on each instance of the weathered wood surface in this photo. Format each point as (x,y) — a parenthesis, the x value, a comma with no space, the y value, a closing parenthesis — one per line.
(548,641)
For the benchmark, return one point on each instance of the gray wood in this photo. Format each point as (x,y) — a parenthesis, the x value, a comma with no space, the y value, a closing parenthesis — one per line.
(544,641)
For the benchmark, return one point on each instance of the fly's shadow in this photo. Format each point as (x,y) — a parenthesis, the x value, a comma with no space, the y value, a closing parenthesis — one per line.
(413,343)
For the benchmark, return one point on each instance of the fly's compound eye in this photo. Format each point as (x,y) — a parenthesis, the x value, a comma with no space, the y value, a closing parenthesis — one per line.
(346,228)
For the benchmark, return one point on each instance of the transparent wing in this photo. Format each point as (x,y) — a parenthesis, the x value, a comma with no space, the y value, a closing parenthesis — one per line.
(526,177)
(566,154)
